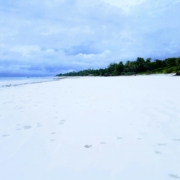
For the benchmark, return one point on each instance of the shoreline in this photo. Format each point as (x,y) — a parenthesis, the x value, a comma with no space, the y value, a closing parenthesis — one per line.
(27,83)
(57,78)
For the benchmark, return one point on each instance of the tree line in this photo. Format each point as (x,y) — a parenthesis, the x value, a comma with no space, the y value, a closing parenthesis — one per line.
(139,66)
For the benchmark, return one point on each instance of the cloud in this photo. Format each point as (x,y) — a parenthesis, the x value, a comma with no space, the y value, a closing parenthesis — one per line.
(48,37)
(124,5)
(26,50)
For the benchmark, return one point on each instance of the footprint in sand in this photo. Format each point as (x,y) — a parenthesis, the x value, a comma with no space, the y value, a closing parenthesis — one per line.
(102,142)
(119,137)
(176,139)
(174,176)
(139,138)
(52,139)
(161,144)
(88,146)
(18,129)
(5,135)
(53,133)
(60,123)
(157,152)
(27,127)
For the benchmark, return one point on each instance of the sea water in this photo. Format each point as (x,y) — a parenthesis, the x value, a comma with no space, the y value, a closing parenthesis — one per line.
(11,81)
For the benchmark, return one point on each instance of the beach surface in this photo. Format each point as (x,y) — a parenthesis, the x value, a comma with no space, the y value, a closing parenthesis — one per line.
(91,128)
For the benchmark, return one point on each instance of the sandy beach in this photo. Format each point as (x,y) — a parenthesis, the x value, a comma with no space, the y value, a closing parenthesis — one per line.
(91,128)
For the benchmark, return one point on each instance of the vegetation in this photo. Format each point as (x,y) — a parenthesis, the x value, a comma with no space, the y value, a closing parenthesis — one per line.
(140,66)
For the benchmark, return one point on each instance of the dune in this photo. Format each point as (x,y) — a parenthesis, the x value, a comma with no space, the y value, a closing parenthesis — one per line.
(91,128)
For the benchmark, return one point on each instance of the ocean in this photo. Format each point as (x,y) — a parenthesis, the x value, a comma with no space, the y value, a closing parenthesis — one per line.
(11,81)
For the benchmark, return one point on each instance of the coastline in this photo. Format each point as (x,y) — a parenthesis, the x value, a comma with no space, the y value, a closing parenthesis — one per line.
(12,82)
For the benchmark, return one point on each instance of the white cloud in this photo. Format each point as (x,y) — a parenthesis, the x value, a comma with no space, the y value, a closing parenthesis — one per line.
(125,5)
(76,34)
(26,50)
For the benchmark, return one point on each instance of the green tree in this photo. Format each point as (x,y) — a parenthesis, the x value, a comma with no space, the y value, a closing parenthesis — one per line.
(178,63)
(170,62)
(140,62)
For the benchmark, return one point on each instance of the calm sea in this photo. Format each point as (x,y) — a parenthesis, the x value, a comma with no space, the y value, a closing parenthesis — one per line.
(4,81)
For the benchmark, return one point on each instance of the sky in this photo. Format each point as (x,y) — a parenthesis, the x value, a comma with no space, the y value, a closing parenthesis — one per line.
(47,37)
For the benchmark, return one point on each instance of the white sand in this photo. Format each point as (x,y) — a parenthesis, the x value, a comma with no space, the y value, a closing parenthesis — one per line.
(129,125)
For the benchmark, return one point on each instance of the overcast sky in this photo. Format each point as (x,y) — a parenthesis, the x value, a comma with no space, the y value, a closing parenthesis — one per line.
(52,36)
